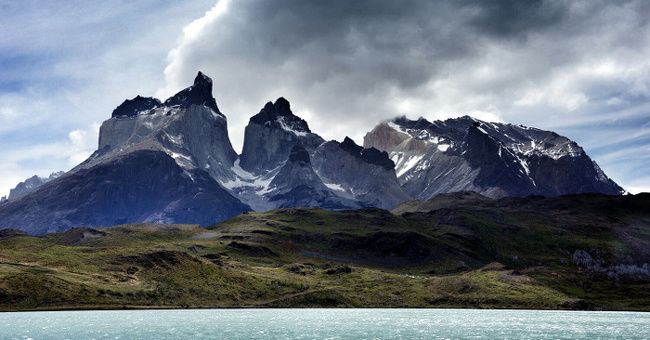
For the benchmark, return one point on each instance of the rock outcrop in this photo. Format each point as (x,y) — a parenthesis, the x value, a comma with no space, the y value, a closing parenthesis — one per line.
(271,134)
(367,175)
(297,185)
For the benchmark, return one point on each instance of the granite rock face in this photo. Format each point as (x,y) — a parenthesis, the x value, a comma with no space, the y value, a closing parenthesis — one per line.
(271,134)
(344,173)
(367,175)
(298,185)
(189,127)
(155,162)
(494,159)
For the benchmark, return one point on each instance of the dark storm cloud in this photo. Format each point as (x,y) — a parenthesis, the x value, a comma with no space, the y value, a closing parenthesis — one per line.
(400,42)
(509,18)
(346,65)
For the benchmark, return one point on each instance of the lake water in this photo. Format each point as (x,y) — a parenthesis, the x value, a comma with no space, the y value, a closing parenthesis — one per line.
(325,324)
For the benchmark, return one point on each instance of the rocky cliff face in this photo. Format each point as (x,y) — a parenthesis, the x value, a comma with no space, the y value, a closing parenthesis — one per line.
(271,134)
(188,126)
(494,159)
(155,162)
(367,175)
(336,174)
(297,185)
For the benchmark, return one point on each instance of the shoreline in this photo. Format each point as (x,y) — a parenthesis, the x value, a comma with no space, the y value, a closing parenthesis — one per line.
(163,308)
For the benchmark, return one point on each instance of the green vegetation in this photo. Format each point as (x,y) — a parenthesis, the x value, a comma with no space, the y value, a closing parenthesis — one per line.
(503,254)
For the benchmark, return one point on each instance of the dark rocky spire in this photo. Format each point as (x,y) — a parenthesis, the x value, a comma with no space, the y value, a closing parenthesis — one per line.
(200,93)
(131,107)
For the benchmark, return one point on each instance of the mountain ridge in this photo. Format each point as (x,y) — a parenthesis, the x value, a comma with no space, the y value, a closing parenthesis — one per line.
(487,158)
(285,164)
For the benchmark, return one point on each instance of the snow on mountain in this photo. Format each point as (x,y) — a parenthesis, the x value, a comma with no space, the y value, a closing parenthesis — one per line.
(172,161)
(367,175)
(156,162)
(188,126)
(336,176)
(270,136)
(491,158)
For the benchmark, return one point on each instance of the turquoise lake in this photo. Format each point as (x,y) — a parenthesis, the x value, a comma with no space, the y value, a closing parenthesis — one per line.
(325,324)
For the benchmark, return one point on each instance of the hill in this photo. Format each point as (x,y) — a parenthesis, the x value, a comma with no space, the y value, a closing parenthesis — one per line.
(571,252)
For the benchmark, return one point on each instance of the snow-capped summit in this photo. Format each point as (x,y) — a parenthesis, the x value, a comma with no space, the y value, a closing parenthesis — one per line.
(279,114)
(494,159)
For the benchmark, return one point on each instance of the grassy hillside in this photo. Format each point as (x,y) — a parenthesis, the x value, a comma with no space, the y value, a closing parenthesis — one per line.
(583,252)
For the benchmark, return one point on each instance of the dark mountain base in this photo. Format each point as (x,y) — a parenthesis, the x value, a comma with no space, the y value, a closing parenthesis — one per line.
(574,252)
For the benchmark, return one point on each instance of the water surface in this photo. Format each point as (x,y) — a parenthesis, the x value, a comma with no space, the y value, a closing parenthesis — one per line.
(325,324)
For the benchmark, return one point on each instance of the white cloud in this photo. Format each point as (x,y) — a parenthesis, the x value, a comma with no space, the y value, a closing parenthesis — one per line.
(637,190)
(45,158)
(69,68)
(192,32)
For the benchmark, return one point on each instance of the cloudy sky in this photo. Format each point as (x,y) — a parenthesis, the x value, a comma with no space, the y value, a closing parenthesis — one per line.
(580,68)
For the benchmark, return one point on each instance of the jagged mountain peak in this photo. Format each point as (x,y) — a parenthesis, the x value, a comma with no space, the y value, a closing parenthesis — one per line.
(131,107)
(349,145)
(271,134)
(31,184)
(280,114)
(202,80)
(187,126)
(200,93)
(369,155)
(282,105)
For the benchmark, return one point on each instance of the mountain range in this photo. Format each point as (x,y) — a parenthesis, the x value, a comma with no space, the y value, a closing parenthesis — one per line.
(172,162)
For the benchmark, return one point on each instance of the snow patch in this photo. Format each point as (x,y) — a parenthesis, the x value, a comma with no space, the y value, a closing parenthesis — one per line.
(286,127)
(237,169)
(176,156)
(178,140)
(261,184)
(334,186)
(404,163)
(395,127)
